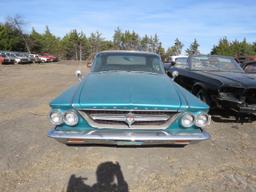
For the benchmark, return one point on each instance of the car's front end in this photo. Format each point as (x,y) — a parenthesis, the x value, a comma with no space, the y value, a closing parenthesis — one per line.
(44,59)
(19,59)
(128,108)
(239,99)
(7,59)
(128,127)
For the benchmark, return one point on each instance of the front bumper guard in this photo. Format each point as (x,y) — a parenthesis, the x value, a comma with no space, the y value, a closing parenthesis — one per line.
(127,137)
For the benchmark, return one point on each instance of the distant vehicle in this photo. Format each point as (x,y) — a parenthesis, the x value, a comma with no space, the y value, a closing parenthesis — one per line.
(8,54)
(249,67)
(20,58)
(177,60)
(35,58)
(46,57)
(6,59)
(219,81)
(1,58)
(127,99)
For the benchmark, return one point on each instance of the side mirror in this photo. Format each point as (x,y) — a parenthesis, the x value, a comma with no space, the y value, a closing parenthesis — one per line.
(175,74)
(78,74)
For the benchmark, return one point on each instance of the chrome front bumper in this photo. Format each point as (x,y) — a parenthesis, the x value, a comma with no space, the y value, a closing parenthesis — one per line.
(127,137)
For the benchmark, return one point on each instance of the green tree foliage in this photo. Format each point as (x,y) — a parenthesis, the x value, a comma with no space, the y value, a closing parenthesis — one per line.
(50,43)
(117,38)
(176,49)
(76,45)
(73,43)
(95,41)
(35,42)
(161,52)
(130,40)
(193,48)
(10,38)
(222,48)
(234,48)
(145,43)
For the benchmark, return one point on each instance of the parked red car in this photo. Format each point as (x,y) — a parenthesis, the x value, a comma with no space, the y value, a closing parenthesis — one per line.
(5,59)
(46,57)
(1,59)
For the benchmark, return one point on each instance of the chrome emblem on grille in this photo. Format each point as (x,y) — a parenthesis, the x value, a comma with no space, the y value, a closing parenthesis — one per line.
(130,119)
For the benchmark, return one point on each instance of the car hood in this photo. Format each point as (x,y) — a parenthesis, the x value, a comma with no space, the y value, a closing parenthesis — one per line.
(127,90)
(232,78)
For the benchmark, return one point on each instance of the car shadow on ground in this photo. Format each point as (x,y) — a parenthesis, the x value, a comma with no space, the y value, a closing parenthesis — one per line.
(227,116)
(109,179)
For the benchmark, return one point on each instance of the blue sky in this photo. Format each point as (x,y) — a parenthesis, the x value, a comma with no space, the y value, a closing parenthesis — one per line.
(207,21)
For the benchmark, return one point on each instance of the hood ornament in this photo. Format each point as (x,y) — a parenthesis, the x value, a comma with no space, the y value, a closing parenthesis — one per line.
(130,119)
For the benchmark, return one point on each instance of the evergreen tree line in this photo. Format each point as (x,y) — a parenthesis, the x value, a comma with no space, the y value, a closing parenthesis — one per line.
(76,45)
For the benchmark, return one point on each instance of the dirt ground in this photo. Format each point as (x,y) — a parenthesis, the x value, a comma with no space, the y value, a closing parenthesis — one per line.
(31,162)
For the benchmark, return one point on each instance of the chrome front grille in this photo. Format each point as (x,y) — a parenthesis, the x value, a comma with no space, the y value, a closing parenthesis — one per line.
(128,119)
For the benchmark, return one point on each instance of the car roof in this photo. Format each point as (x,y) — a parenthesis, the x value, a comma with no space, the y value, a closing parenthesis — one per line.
(128,51)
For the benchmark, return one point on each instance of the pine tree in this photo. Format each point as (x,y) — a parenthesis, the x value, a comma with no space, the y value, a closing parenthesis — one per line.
(193,49)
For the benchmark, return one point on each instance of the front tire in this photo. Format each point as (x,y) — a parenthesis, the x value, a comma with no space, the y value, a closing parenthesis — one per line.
(203,96)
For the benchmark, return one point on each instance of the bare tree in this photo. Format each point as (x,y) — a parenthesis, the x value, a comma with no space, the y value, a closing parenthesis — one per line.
(18,22)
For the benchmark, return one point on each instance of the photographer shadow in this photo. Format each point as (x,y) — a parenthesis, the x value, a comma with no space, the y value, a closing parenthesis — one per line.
(109,179)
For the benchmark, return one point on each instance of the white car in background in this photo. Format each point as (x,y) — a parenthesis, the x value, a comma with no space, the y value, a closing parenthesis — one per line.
(20,58)
(177,60)
(35,58)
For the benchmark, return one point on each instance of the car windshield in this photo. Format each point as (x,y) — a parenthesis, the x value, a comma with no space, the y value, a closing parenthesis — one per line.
(214,63)
(250,68)
(118,61)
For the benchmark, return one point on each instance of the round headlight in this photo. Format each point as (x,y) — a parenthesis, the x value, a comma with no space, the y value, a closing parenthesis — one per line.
(187,120)
(70,118)
(202,120)
(56,117)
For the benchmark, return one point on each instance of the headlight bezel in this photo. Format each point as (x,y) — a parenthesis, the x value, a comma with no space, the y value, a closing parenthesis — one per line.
(183,116)
(196,118)
(57,112)
(75,115)
(62,115)
(207,122)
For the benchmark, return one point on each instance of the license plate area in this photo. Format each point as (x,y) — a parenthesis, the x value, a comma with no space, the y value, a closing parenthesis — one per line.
(127,143)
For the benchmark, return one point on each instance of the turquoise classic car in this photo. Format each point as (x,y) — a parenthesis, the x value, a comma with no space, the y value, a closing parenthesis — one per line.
(127,99)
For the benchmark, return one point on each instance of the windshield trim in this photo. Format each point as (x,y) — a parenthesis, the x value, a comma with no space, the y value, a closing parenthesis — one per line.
(123,53)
